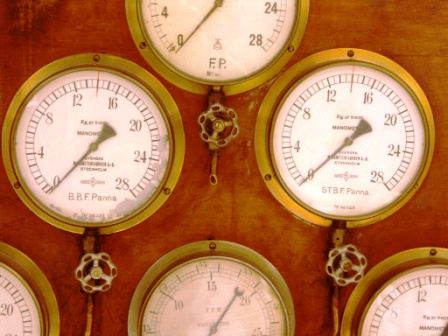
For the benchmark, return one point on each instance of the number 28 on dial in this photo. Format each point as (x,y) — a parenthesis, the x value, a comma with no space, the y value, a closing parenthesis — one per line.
(346,135)
(233,43)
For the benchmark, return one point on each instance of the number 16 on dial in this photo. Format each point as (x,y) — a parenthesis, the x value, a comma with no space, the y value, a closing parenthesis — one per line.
(93,140)
(344,135)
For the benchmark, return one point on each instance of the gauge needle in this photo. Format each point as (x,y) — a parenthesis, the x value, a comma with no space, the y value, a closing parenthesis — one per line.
(106,133)
(362,128)
(218,3)
(445,331)
(214,327)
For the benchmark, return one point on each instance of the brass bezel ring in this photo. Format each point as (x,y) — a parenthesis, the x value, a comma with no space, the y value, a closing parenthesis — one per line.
(285,83)
(36,283)
(135,74)
(203,249)
(379,278)
(200,86)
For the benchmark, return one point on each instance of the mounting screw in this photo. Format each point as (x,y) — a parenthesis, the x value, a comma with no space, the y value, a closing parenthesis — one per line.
(350,53)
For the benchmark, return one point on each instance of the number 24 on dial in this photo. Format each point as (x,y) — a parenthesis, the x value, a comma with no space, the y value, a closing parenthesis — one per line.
(230,41)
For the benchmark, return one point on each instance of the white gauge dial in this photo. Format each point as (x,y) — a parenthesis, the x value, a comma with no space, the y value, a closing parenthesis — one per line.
(218,42)
(227,39)
(413,304)
(93,146)
(19,312)
(403,295)
(348,139)
(214,296)
(212,291)
(27,302)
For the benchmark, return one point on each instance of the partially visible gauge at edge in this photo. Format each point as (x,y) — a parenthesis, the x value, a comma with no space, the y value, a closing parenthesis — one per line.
(403,295)
(28,305)
(237,44)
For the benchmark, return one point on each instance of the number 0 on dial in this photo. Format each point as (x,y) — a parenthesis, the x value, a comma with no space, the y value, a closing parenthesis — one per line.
(344,135)
(93,141)
(238,44)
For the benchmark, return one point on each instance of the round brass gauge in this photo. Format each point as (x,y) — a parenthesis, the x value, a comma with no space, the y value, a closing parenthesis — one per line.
(93,140)
(235,44)
(404,295)
(212,288)
(28,305)
(345,134)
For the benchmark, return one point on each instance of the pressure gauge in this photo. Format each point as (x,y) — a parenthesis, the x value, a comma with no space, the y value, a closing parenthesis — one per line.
(404,295)
(230,43)
(93,140)
(28,305)
(212,288)
(344,135)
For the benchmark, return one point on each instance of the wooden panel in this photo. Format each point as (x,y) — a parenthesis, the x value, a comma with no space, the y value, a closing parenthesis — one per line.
(240,209)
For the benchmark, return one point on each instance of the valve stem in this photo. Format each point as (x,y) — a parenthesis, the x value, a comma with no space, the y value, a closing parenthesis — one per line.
(337,233)
(219,125)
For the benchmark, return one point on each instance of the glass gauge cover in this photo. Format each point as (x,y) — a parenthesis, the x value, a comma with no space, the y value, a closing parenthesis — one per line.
(405,295)
(210,288)
(28,305)
(93,141)
(344,135)
(238,44)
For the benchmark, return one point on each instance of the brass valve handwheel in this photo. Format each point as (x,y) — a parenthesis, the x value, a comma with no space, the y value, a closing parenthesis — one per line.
(219,125)
(96,272)
(346,265)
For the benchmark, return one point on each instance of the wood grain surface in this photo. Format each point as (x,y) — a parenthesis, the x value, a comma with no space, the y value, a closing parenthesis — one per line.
(240,208)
